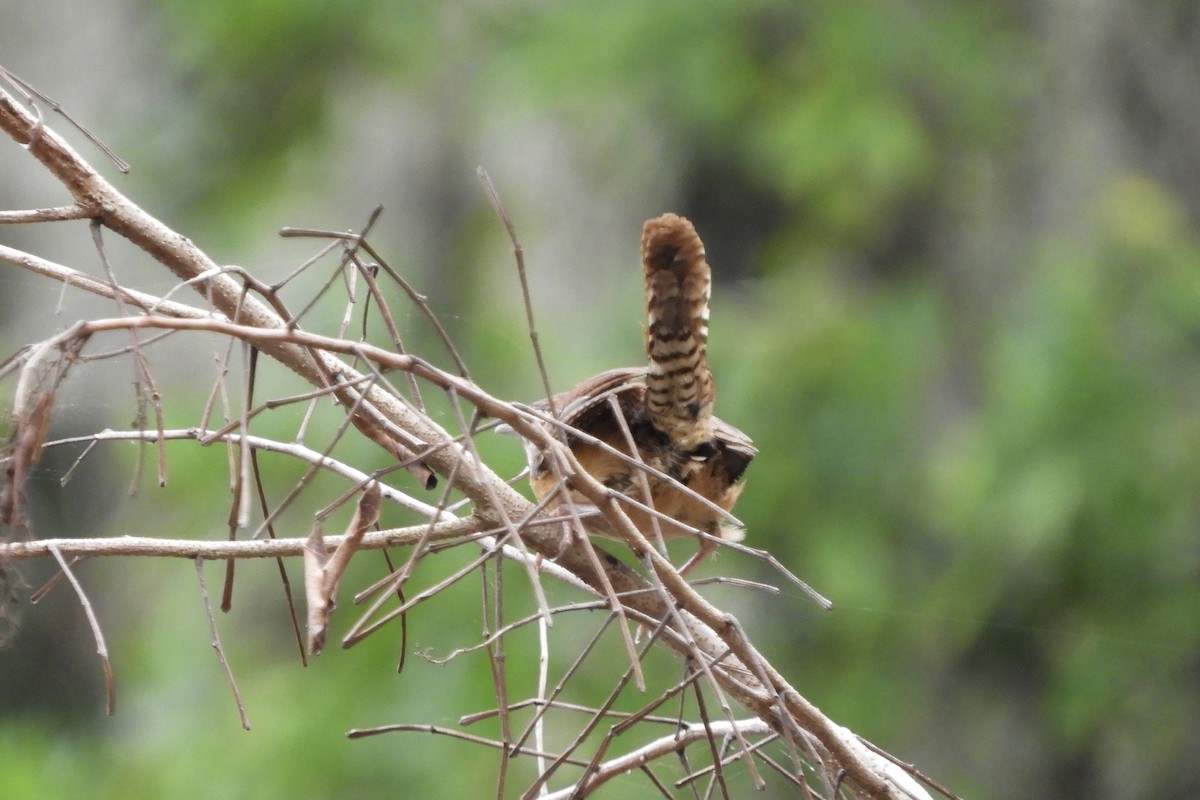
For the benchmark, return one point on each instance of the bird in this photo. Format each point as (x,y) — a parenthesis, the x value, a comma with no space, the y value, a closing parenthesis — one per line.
(665,410)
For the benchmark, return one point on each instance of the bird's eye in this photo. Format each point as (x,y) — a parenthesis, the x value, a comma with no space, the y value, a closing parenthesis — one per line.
(703,452)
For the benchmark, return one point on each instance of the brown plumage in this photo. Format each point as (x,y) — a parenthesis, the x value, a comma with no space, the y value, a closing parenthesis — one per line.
(667,406)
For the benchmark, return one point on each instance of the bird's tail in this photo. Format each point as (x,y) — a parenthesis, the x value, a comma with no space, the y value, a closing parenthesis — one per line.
(680,391)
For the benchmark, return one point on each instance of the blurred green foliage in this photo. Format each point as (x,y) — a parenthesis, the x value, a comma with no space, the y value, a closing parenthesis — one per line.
(976,404)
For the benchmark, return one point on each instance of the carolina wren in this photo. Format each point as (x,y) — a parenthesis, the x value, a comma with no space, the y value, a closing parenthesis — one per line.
(667,408)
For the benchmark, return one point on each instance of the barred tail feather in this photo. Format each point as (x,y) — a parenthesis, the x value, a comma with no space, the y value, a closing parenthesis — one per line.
(680,390)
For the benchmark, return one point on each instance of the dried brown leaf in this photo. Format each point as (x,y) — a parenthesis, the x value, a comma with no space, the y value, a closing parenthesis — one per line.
(319,606)
(323,573)
(25,449)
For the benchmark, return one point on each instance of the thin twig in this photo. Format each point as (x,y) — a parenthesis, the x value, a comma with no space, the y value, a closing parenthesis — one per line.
(389,323)
(519,256)
(69,276)
(597,718)
(359,733)
(110,685)
(57,214)
(509,627)
(549,701)
(145,546)
(284,581)
(396,578)
(539,593)
(215,640)
(362,629)
(40,593)
(912,770)
(492,592)
(290,449)
(662,746)
(543,676)
(718,768)
(21,84)
(468,719)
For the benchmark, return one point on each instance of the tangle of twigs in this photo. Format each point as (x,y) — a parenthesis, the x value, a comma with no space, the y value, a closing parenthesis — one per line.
(730,705)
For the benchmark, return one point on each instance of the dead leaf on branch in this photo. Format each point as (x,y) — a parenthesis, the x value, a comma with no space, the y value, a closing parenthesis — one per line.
(323,572)
(32,406)
(23,451)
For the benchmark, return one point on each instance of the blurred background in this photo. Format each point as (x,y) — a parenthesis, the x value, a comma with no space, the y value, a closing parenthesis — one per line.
(957,305)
